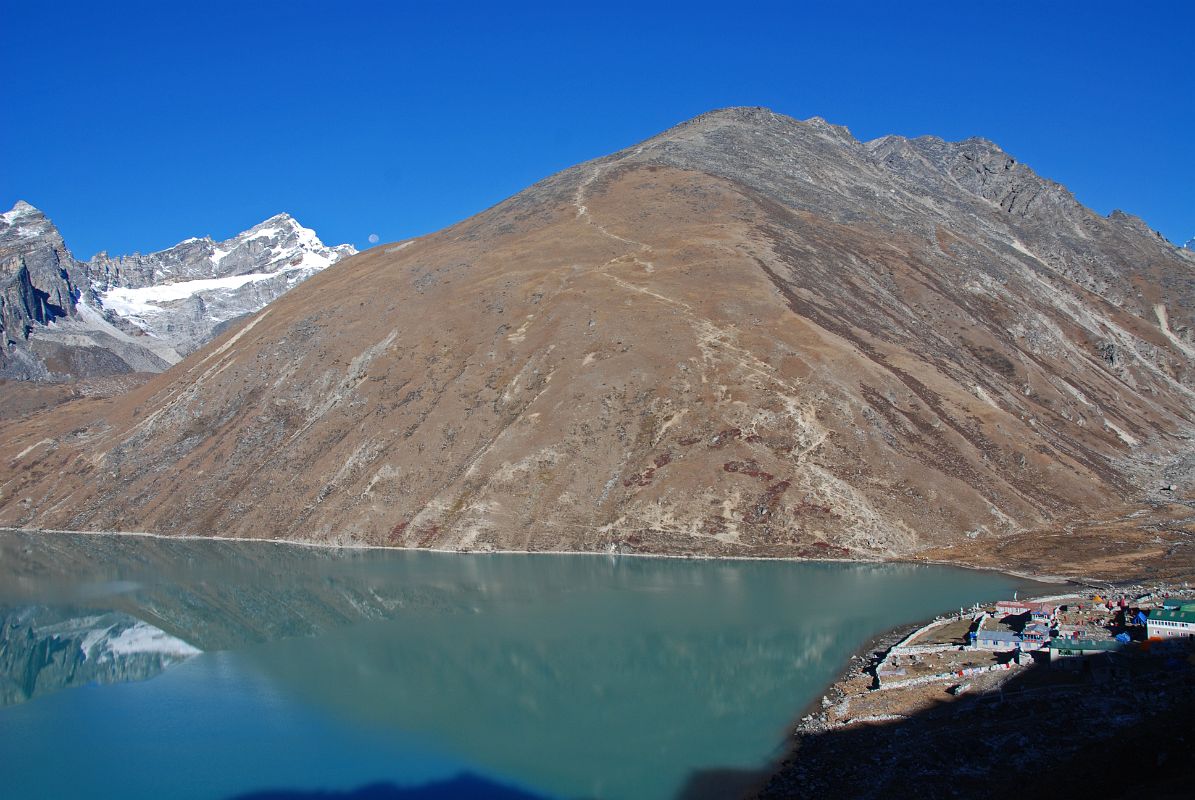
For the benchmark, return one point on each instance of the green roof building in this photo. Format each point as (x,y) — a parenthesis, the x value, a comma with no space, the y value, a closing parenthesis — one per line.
(1168,623)
(1082,647)
(1182,603)
(1068,652)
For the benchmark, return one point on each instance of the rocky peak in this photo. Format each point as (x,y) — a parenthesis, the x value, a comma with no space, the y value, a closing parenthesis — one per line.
(906,186)
(35,271)
(19,209)
(22,214)
(757,120)
(748,115)
(1134,223)
(24,227)
(185,293)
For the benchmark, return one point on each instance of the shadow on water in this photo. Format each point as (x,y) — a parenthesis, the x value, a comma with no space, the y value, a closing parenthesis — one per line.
(464,786)
(1120,726)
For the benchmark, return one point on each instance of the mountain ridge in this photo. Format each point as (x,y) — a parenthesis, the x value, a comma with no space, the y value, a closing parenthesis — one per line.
(745,336)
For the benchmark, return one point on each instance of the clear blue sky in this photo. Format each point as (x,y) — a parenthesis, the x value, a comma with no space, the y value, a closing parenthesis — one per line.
(136,125)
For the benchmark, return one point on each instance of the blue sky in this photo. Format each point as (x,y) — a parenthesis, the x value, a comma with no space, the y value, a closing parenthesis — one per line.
(136,125)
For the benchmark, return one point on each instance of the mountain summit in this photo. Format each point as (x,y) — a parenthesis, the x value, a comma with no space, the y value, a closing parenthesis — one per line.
(748,335)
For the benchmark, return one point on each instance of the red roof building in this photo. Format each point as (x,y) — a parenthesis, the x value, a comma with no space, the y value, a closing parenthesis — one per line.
(1011,608)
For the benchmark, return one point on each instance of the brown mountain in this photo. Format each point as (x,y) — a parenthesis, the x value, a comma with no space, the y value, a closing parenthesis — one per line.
(748,335)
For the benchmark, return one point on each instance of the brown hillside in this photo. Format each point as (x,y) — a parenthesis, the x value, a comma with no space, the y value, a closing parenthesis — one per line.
(749,335)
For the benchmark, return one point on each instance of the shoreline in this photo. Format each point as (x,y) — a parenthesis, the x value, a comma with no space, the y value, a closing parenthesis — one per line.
(190,537)
(804,722)
(857,664)
(881,641)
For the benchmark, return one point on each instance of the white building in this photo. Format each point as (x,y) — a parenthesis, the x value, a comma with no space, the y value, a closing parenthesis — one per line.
(1169,623)
(999,641)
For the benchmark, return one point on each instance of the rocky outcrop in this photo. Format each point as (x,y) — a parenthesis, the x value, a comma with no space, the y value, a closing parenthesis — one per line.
(35,268)
(68,319)
(748,335)
(21,306)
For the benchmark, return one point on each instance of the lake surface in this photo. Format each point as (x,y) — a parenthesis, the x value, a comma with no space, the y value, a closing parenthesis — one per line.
(134,667)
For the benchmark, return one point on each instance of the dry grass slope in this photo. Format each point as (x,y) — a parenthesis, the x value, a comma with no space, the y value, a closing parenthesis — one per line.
(747,336)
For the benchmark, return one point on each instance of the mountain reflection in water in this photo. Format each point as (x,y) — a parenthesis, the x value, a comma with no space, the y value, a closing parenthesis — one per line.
(49,649)
(570,676)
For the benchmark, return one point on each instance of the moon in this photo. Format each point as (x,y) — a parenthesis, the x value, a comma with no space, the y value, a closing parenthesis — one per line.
(373,238)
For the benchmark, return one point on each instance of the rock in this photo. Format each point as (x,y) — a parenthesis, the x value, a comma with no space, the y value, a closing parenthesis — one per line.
(35,266)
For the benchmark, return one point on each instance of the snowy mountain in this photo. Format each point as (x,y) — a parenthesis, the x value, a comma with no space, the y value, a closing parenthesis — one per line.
(66,318)
(183,295)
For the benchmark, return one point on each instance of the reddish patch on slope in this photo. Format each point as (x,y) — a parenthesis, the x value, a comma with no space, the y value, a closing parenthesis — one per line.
(644,478)
(641,479)
(428,534)
(806,508)
(749,467)
(765,506)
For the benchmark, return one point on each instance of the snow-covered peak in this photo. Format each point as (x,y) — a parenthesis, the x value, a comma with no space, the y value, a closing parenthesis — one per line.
(1190,245)
(277,225)
(20,210)
(183,294)
(268,246)
(148,309)
(24,222)
(282,219)
(278,243)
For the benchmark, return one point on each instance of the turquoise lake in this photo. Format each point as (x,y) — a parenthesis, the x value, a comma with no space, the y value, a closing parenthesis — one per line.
(133,667)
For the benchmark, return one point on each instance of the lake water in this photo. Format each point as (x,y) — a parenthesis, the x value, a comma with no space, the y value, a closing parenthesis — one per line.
(133,667)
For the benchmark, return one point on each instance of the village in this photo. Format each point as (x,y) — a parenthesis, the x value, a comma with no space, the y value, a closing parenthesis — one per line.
(946,704)
(1072,638)
(1066,632)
